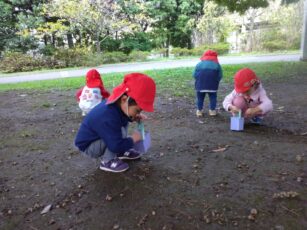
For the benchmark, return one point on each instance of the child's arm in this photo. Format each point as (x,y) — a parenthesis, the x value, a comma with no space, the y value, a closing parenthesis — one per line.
(266,104)
(220,73)
(227,103)
(264,107)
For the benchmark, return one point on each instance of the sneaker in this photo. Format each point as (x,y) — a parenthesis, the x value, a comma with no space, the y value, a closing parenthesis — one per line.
(256,120)
(114,165)
(212,112)
(132,154)
(83,114)
(199,113)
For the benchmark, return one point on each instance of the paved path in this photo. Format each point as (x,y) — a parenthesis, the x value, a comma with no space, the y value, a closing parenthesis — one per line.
(129,67)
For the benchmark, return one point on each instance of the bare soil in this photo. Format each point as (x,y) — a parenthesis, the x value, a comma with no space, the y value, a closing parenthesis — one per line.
(197,175)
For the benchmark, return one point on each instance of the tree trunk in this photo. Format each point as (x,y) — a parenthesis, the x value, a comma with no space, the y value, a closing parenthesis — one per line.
(98,43)
(45,39)
(70,41)
(168,42)
(304,35)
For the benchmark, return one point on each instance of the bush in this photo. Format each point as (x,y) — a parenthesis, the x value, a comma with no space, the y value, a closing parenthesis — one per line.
(71,57)
(19,62)
(138,55)
(114,57)
(220,48)
(274,45)
(178,52)
(160,52)
(47,50)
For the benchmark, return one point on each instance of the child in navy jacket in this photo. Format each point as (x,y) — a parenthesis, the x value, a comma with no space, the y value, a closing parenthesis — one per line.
(207,74)
(103,131)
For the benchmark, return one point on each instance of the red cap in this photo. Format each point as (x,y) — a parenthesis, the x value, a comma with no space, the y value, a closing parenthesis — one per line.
(244,79)
(138,86)
(209,55)
(93,80)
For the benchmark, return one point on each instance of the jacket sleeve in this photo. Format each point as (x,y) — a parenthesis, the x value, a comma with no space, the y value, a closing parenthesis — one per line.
(228,100)
(220,76)
(266,104)
(196,70)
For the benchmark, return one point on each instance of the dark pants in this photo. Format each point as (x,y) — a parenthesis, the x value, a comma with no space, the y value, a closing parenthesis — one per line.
(200,97)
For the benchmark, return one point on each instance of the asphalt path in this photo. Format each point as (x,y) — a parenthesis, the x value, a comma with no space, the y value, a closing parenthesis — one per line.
(133,67)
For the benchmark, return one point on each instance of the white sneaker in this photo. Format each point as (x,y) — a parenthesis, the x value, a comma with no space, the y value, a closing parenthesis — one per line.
(83,114)
(212,112)
(199,113)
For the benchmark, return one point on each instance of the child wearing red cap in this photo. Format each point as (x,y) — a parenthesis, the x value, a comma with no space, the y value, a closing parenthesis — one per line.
(207,74)
(92,93)
(249,97)
(103,132)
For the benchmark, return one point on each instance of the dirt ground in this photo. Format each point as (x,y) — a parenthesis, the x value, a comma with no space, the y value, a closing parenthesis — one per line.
(197,175)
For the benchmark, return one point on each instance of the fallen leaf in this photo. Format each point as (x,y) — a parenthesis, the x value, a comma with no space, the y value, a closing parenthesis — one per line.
(221,149)
(46,209)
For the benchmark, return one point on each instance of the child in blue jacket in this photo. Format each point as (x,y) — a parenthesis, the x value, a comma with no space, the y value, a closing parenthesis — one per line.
(103,132)
(207,74)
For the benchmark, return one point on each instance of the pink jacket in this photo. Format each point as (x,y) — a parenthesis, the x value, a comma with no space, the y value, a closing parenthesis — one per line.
(259,98)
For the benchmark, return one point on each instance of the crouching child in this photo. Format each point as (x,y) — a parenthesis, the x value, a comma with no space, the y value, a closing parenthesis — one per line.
(103,132)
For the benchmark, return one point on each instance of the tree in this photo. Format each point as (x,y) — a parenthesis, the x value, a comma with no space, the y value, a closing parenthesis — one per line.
(241,6)
(18,17)
(173,21)
(214,24)
(96,19)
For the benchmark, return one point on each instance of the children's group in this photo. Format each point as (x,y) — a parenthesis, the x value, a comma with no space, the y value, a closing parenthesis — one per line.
(103,132)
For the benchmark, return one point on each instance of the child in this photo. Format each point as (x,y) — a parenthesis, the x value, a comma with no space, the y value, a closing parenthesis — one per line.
(249,97)
(92,93)
(103,131)
(207,74)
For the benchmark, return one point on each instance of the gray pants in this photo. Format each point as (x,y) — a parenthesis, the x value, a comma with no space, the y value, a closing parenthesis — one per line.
(98,148)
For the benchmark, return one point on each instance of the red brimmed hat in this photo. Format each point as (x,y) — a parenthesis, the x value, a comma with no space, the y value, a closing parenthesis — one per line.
(209,55)
(93,80)
(138,86)
(244,79)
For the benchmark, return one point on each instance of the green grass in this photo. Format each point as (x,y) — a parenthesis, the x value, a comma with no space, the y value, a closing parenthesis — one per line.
(172,58)
(176,82)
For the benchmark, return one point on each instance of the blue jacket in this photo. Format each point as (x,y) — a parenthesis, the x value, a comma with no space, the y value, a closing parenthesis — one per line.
(104,122)
(207,75)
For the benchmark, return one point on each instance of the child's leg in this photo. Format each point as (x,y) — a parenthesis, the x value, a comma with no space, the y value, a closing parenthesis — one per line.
(96,149)
(200,97)
(212,98)
(240,103)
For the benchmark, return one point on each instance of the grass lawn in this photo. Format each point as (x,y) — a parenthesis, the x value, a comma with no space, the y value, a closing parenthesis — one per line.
(177,82)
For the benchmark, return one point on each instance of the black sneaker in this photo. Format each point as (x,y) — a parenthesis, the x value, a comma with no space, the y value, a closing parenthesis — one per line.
(130,155)
(114,165)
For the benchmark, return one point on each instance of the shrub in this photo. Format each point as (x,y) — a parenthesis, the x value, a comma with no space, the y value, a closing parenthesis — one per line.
(114,57)
(71,57)
(47,50)
(138,55)
(274,45)
(220,48)
(19,62)
(181,52)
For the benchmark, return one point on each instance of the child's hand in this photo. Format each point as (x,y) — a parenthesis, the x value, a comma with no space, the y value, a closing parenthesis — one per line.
(140,117)
(234,110)
(251,112)
(136,136)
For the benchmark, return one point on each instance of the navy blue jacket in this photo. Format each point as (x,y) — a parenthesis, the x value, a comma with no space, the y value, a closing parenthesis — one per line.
(207,75)
(104,122)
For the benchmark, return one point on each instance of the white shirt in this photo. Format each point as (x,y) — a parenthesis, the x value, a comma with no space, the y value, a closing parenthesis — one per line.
(90,97)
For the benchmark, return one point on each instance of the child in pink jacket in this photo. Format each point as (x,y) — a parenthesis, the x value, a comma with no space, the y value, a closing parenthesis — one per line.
(249,97)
